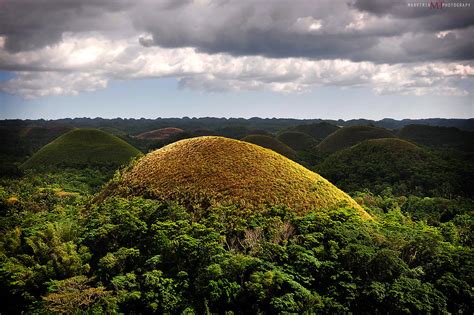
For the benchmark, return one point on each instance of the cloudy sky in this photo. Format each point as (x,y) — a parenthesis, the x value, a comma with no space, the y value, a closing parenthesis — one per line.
(269,58)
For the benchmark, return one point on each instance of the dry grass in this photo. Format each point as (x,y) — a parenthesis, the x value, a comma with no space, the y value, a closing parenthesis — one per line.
(220,171)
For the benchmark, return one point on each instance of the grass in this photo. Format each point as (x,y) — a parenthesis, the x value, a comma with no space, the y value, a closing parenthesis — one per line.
(160,134)
(349,136)
(298,141)
(81,147)
(271,143)
(215,171)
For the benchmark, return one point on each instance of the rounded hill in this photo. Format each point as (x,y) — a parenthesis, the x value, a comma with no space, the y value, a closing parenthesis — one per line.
(317,130)
(82,147)
(298,141)
(439,137)
(212,171)
(378,163)
(349,136)
(271,143)
(160,134)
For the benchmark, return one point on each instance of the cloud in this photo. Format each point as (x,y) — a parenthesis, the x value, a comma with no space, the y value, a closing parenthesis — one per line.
(87,63)
(60,47)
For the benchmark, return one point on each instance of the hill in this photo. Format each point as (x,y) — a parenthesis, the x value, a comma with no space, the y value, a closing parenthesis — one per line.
(317,130)
(298,141)
(221,171)
(379,163)
(439,137)
(160,134)
(349,136)
(81,147)
(271,143)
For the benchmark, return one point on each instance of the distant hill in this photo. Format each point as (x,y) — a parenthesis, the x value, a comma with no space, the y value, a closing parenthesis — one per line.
(298,141)
(81,147)
(317,130)
(379,163)
(439,137)
(160,134)
(349,136)
(271,143)
(221,171)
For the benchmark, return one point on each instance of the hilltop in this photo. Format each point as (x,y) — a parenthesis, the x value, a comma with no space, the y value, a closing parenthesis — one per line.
(220,171)
(378,163)
(271,143)
(349,136)
(82,147)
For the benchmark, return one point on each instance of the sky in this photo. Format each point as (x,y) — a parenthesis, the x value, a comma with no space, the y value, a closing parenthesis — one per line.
(302,59)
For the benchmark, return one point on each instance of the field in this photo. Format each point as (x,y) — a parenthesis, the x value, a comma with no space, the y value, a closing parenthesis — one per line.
(371,220)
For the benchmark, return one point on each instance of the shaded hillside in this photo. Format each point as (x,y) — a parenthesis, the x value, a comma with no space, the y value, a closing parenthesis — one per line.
(380,163)
(317,130)
(271,143)
(298,141)
(439,137)
(82,147)
(349,136)
(219,171)
(160,134)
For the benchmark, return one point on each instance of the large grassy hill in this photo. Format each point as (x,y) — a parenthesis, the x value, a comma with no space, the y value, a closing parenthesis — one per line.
(220,171)
(349,136)
(271,143)
(439,137)
(379,163)
(82,147)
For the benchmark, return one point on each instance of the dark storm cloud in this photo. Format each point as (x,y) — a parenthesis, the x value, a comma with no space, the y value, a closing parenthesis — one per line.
(33,24)
(388,31)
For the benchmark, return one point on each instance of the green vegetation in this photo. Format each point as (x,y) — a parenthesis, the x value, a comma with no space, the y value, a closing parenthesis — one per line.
(349,136)
(215,225)
(271,143)
(438,137)
(395,164)
(81,147)
(67,255)
(298,141)
(220,171)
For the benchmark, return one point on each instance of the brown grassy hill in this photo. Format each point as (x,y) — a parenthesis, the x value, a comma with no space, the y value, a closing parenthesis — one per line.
(220,171)
(160,134)
(348,136)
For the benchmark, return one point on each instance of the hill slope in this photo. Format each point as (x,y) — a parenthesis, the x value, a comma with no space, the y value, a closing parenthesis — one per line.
(271,143)
(349,136)
(160,134)
(298,141)
(81,147)
(448,137)
(378,163)
(317,130)
(221,171)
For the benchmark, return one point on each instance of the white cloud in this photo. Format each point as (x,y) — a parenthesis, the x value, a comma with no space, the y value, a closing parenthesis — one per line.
(89,61)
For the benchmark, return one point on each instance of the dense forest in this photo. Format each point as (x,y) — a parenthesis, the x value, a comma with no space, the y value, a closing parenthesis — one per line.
(118,216)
